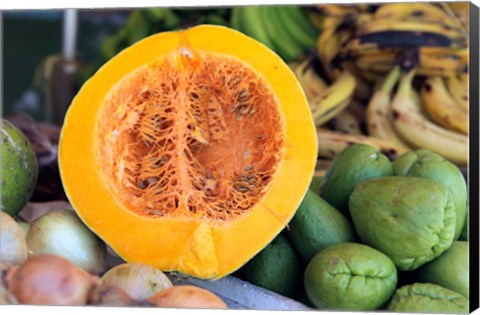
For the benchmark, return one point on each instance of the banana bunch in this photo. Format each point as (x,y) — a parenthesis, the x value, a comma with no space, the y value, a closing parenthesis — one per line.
(413,125)
(286,30)
(438,37)
(326,99)
(410,119)
(409,62)
(441,105)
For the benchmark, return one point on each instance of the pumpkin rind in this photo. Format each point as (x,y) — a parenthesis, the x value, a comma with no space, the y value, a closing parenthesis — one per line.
(202,248)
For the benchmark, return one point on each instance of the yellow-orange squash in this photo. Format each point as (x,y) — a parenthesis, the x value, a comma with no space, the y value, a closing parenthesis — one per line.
(189,151)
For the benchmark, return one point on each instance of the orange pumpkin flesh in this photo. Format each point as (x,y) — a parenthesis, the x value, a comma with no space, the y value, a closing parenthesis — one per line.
(189,151)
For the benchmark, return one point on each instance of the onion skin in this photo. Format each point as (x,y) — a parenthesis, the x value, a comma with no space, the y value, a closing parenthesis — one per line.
(110,295)
(187,296)
(50,280)
(140,281)
(62,233)
(13,246)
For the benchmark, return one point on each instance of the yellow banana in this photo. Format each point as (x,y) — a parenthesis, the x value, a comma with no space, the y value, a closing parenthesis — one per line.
(379,116)
(458,87)
(447,64)
(412,24)
(428,64)
(441,107)
(381,67)
(330,143)
(329,45)
(420,132)
(312,84)
(333,112)
(424,10)
(334,99)
(461,11)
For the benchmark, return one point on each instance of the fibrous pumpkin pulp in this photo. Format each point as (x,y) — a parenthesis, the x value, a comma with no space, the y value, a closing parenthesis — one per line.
(189,151)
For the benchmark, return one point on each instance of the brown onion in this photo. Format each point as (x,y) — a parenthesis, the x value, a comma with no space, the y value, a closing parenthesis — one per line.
(50,280)
(6,297)
(13,247)
(110,295)
(139,280)
(6,271)
(62,233)
(187,296)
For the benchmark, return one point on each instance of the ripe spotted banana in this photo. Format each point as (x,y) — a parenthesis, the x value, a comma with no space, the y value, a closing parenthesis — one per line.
(458,87)
(330,143)
(441,107)
(312,84)
(426,11)
(412,24)
(416,129)
(334,99)
(379,116)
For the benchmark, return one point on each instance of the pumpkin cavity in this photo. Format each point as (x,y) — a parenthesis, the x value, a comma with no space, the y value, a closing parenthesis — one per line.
(195,135)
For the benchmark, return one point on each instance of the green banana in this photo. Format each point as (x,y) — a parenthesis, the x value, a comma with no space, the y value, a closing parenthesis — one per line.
(292,27)
(252,24)
(235,22)
(297,14)
(283,44)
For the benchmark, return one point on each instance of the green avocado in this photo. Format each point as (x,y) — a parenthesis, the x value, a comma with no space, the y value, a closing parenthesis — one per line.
(18,168)
(428,298)
(410,219)
(276,268)
(350,276)
(350,167)
(450,270)
(426,164)
(317,225)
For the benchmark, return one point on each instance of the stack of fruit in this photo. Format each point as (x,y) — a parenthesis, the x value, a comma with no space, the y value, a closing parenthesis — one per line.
(381,226)
(375,234)
(410,67)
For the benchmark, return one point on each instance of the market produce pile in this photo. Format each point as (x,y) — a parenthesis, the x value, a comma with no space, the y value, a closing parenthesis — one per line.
(348,186)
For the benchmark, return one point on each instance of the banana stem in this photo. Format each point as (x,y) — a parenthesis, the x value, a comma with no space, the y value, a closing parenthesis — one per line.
(405,84)
(391,80)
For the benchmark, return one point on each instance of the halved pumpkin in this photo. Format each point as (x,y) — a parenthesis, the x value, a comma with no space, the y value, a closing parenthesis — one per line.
(189,151)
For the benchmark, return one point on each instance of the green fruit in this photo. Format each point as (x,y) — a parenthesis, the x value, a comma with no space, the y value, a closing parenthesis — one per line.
(18,168)
(464,235)
(315,184)
(428,298)
(350,167)
(276,268)
(350,276)
(410,219)
(450,270)
(317,225)
(426,164)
